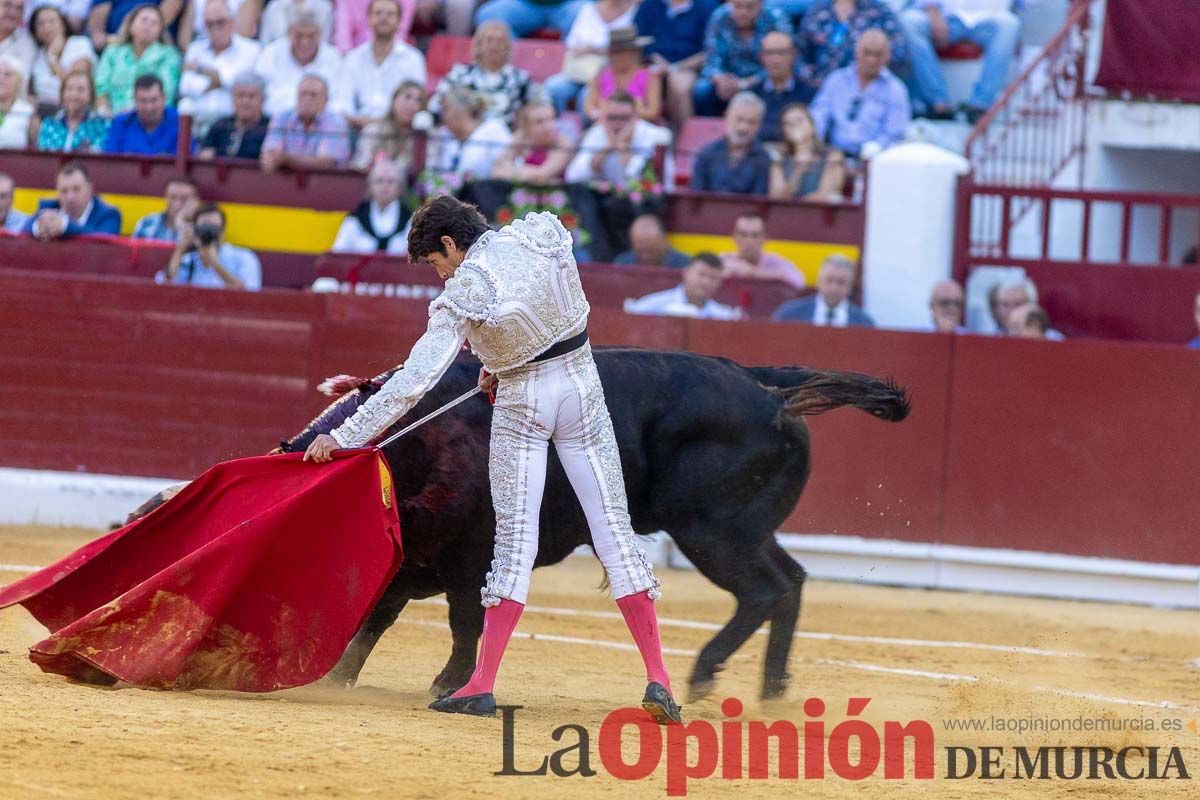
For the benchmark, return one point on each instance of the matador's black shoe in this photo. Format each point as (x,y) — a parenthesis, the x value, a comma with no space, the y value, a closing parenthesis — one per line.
(480,705)
(659,704)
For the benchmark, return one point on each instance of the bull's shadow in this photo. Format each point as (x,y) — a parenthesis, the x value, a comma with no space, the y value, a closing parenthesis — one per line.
(714,453)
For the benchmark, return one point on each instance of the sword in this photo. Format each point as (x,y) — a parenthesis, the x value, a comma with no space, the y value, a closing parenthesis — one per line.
(429,416)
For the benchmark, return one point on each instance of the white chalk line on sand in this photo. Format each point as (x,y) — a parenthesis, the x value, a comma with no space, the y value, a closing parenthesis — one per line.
(847,664)
(815,635)
(862,666)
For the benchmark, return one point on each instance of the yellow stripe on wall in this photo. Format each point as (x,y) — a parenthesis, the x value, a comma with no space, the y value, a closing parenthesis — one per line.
(807,256)
(259,227)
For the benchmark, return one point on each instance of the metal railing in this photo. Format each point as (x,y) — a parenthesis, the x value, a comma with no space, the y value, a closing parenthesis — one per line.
(1037,130)
(1015,227)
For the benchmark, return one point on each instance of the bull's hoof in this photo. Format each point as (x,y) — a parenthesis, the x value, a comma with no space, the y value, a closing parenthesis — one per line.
(443,687)
(774,688)
(698,689)
(338,681)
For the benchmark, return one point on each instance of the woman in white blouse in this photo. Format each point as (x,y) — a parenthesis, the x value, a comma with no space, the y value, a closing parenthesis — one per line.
(58,53)
(468,144)
(587,49)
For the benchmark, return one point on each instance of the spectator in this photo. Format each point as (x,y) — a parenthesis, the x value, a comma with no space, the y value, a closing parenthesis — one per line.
(693,297)
(15,41)
(587,48)
(1195,343)
(75,211)
(526,16)
(750,259)
(151,128)
(781,86)
(831,305)
(11,220)
(539,152)
(863,108)
(505,87)
(108,17)
(202,257)
(283,62)
(352,26)
(212,63)
(379,224)
(830,31)
(76,127)
(676,28)
(805,167)
(616,149)
(243,21)
(139,48)
(624,73)
(381,65)
(947,304)
(933,24)
(182,196)
(240,135)
(1028,321)
(1007,295)
(278,13)
(18,122)
(648,246)
(75,12)
(737,162)
(392,136)
(58,53)
(455,16)
(733,40)
(311,136)
(469,142)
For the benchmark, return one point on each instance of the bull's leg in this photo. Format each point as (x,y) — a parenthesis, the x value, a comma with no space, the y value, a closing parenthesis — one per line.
(383,616)
(466,626)
(752,578)
(783,624)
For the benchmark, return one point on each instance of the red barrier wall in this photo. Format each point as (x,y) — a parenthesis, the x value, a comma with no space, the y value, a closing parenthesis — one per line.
(1078,447)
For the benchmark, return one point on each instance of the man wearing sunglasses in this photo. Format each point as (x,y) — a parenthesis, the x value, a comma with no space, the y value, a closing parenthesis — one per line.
(863,108)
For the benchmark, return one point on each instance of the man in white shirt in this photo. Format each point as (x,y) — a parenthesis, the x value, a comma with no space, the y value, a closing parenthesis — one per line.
(15,41)
(831,305)
(617,148)
(211,64)
(11,220)
(380,65)
(692,298)
(379,223)
(284,62)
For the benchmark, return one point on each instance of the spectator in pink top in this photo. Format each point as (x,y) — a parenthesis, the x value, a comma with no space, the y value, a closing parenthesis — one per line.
(751,261)
(351,25)
(624,72)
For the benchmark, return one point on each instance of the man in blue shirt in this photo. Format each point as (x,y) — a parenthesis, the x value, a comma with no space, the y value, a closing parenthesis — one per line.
(75,211)
(781,85)
(678,48)
(152,128)
(737,162)
(203,258)
(863,108)
(732,41)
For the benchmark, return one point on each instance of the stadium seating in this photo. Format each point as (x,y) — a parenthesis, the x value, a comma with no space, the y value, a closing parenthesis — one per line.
(695,133)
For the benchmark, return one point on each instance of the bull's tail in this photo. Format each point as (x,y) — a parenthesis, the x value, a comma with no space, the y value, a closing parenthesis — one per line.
(807,391)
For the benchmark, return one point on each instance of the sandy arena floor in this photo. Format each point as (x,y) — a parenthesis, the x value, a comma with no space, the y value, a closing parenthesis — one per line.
(1081,660)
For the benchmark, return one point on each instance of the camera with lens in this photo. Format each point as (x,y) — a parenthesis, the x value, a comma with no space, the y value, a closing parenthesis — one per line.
(207,233)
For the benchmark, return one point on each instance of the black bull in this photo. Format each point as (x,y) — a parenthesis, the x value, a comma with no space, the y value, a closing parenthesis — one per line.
(714,453)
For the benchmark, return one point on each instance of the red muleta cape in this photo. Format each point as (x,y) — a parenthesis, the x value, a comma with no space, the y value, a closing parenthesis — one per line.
(254,577)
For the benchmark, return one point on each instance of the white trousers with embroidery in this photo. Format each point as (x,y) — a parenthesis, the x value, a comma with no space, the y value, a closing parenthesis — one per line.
(559,400)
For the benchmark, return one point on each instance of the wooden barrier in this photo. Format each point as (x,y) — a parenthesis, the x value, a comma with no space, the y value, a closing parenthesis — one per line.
(1078,447)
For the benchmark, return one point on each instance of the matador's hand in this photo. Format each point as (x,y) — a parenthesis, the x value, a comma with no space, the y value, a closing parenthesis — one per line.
(487,381)
(321,449)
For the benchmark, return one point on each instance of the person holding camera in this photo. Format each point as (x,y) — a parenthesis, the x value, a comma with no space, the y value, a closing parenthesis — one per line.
(202,257)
